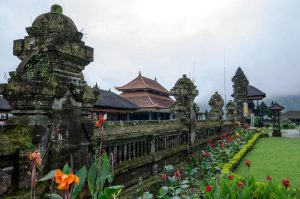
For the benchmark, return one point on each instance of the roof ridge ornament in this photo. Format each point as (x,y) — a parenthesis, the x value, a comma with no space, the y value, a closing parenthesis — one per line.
(55,8)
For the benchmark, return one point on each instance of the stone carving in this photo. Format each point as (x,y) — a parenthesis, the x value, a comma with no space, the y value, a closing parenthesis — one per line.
(216,103)
(184,92)
(48,86)
(185,108)
(231,110)
(240,92)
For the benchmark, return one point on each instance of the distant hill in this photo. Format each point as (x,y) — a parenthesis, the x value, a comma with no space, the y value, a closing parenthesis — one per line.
(290,102)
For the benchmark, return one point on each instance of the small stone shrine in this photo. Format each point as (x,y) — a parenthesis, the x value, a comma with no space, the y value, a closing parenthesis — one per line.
(231,110)
(216,103)
(47,91)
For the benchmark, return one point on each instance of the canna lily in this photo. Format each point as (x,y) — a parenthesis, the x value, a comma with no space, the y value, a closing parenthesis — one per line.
(208,188)
(164,177)
(240,184)
(64,180)
(177,174)
(206,153)
(101,120)
(286,182)
(35,157)
(268,178)
(248,162)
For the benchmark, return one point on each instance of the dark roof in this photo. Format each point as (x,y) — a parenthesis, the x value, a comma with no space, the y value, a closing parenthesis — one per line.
(254,92)
(109,99)
(276,107)
(4,105)
(292,114)
(143,83)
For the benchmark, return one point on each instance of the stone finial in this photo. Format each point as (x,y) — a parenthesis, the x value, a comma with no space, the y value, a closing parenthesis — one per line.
(216,103)
(55,8)
(231,110)
(185,93)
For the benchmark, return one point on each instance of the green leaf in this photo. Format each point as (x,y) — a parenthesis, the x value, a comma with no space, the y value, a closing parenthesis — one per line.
(48,176)
(54,196)
(92,176)
(163,191)
(169,169)
(95,182)
(113,190)
(147,195)
(82,173)
(66,169)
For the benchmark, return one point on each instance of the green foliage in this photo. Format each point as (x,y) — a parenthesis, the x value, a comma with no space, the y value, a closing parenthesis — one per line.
(227,167)
(98,175)
(286,123)
(14,139)
(39,68)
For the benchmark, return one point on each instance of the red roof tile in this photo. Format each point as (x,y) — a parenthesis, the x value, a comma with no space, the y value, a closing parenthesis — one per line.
(143,83)
(149,100)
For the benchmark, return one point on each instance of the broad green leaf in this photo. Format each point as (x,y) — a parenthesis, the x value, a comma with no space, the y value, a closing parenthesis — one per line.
(177,191)
(113,190)
(92,176)
(147,195)
(66,169)
(82,173)
(48,176)
(53,196)
(169,169)
(163,191)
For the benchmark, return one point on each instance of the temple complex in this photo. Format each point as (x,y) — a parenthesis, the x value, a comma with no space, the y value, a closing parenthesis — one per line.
(152,98)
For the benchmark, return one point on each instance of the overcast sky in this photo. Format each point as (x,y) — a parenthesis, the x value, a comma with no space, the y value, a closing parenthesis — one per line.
(168,38)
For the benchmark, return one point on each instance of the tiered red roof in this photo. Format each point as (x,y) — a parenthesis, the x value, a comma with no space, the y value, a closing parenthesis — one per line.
(146,93)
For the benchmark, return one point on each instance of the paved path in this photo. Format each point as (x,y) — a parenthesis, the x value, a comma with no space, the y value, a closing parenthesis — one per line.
(291,133)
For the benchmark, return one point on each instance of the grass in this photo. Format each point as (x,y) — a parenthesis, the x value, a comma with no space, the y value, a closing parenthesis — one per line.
(275,156)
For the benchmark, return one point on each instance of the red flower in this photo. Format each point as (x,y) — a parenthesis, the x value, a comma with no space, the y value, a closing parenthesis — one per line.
(240,184)
(248,162)
(101,120)
(268,178)
(208,188)
(230,177)
(206,153)
(222,145)
(209,142)
(226,135)
(164,177)
(177,174)
(286,182)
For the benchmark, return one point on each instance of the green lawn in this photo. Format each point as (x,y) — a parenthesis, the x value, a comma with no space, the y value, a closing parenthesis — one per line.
(276,157)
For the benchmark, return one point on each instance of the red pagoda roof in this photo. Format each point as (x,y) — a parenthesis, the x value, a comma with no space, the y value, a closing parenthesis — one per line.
(143,83)
(147,100)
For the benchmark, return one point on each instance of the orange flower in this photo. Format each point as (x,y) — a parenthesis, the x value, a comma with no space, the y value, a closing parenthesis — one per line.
(64,181)
(248,162)
(35,157)
(101,120)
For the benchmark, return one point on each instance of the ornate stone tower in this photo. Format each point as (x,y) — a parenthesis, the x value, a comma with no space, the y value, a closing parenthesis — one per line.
(185,108)
(216,103)
(47,91)
(240,92)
